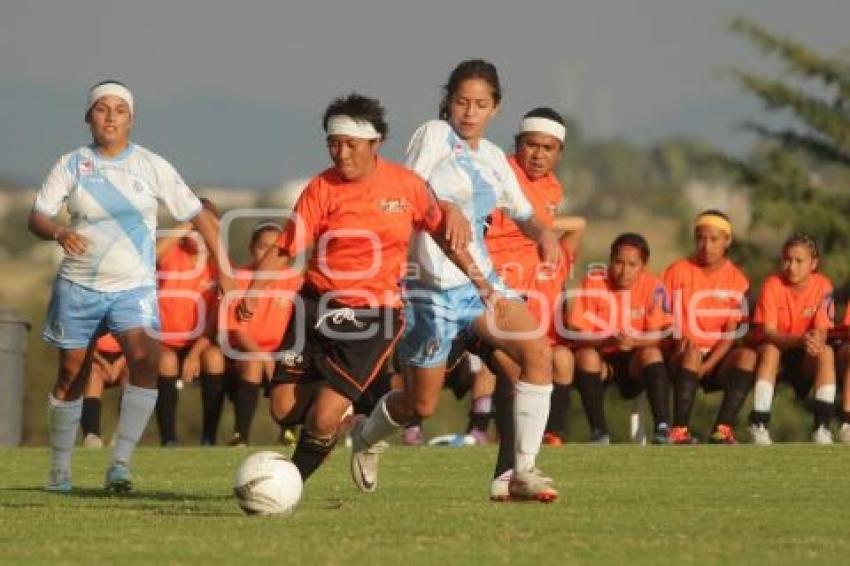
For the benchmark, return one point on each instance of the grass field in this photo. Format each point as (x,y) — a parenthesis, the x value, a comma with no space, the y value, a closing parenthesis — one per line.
(622,504)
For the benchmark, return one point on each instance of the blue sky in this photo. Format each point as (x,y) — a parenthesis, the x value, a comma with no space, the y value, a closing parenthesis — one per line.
(232,93)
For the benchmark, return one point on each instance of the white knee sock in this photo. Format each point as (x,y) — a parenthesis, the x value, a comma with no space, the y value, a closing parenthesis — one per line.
(531,412)
(380,424)
(63,420)
(762,396)
(137,405)
(826,393)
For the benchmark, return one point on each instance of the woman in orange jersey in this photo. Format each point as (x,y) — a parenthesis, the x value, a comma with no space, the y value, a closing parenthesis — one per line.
(108,369)
(186,291)
(254,341)
(842,362)
(539,148)
(709,298)
(793,316)
(357,217)
(618,320)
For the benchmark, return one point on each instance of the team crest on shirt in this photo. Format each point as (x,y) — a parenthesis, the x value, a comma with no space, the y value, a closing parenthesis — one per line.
(86,167)
(393,205)
(458,148)
(291,358)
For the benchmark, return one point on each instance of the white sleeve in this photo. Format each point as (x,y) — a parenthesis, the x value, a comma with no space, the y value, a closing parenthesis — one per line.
(513,199)
(182,203)
(423,151)
(55,190)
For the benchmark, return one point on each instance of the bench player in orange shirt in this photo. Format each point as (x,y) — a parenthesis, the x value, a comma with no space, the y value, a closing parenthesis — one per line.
(793,316)
(539,148)
(187,294)
(841,335)
(108,369)
(253,342)
(709,298)
(618,320)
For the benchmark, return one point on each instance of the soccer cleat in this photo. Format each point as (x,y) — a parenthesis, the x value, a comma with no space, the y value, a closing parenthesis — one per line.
(92,440)
(532,485)
(760,434)
(822,435)
(478,435)
(413,436)
(600,437)
(681,435)
(844,433)
(288,436)
(237,441)
(118,479)
(552,439)
(661,434)
(722,435)
(500,490)
(59,481)
(364,458)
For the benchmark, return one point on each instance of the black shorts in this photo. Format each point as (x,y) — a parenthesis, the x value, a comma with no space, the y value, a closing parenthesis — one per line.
(344,347)
(791,372)
(618,364)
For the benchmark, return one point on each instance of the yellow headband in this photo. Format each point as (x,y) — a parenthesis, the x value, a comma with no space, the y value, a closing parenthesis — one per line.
(715,221)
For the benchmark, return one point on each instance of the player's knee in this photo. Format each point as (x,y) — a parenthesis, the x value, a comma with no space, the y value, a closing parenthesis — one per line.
(587,359)
(649,355)
(692,356)
(169,362)
(424,408)
(212,360)
(562,365)
(769,352)
(536,360)
(323,423)
(744,358)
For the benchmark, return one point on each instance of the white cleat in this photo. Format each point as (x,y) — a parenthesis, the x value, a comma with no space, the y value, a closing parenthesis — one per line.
(844,433)
(59,481)
(532,485)
(92,441)
(500,490)
(364,458)
(760,434)
(822,435)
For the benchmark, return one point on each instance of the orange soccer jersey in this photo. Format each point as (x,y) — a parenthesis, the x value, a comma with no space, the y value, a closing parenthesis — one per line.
(360,232)
(601,309)
(795,312)
(703,301)
(271,317)
(107,344)
(186,280)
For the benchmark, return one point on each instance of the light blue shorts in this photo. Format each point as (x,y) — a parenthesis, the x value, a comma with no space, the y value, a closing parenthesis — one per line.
(435,317)
(77,315)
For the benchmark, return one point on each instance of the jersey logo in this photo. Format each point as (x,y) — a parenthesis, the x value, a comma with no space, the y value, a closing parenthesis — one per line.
(291,358)
(393,205)
(86,167)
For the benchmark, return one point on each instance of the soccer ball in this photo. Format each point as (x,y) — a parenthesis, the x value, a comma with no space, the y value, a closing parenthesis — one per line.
(267,483)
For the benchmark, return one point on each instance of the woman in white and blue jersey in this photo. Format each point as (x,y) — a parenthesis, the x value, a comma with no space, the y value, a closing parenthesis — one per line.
(112,189)
(442,303)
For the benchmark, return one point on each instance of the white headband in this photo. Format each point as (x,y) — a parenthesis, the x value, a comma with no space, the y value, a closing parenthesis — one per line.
(544,126)
(343,125)
(113,89)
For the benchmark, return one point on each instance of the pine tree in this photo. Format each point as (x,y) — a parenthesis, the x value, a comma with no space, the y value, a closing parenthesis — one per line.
(799,173)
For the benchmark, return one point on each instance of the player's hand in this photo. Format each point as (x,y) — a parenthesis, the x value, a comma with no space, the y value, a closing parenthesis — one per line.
(549,247)
(72,242)
(458,231)
(813,343)
(496,303)
(246,307)
(191,368)
(625,343)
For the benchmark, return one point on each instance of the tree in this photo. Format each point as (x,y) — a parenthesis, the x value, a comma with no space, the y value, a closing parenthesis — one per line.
(798,172)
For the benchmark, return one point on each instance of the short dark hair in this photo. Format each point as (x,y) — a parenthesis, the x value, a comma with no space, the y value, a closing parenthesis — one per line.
(714,212)
(541,112)
(262,227)
(465,70)
(801,238)
(358,107)
(633,240)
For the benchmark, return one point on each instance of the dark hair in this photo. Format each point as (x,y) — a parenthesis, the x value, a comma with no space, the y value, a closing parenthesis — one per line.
(358,107)
(465,70)
(210,206)
(714,212)
(802,239)
(633,240)
(541,112)
(261,228)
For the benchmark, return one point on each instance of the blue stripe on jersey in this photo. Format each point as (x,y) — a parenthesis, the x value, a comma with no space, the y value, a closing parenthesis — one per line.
(483,194)
(120,210)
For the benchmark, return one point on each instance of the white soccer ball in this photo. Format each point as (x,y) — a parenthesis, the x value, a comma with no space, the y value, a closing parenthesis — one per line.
(267,484)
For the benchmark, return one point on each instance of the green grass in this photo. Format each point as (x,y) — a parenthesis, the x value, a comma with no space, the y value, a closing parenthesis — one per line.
(621,504)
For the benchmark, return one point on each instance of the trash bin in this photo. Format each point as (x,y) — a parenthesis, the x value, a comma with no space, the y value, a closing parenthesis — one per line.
(13,347)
